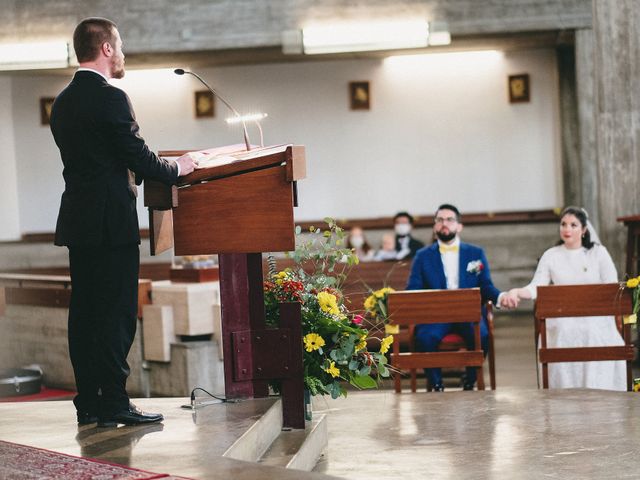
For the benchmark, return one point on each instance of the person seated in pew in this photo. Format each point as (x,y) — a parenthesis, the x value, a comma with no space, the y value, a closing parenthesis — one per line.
(388,250)
(450,264)
(577,260)
(358,242)
(406,246)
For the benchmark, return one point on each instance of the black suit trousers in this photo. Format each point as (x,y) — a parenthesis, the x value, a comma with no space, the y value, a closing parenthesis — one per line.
(102,324)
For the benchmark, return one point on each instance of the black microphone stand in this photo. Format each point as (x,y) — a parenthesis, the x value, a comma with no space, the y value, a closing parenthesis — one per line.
(180,71)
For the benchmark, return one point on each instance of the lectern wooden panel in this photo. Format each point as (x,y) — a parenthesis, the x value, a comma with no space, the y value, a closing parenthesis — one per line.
(252,212)
(244,206)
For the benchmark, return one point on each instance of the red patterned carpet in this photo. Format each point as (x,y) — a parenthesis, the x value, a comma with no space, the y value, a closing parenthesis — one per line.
(20,462)
(44,394)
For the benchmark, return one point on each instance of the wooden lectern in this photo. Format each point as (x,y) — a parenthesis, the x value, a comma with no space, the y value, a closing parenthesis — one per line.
(238,210)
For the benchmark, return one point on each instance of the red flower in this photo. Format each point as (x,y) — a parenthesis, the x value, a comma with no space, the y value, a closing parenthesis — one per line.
(358,319)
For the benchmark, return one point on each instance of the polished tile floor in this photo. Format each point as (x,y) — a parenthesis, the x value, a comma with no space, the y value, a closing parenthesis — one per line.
(515,432)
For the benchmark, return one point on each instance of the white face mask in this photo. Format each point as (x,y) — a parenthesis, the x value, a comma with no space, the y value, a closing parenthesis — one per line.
(356,241)
(403,229)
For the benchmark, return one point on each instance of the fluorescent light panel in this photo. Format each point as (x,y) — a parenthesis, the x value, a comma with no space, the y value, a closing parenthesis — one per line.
(26,56)
(361,37)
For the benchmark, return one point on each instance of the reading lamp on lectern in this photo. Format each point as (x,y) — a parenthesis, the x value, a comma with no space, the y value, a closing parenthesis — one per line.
(180,71)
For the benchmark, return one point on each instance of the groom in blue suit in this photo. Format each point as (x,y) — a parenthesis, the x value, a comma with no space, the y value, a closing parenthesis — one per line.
(451,264)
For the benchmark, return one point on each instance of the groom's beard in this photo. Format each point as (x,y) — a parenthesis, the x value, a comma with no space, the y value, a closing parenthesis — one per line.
(446,237)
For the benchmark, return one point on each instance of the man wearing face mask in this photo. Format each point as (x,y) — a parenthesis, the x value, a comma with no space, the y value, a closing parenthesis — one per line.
(451,264)
(406,245)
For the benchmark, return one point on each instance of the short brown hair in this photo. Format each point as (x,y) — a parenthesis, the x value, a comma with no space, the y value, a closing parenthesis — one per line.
(89,36)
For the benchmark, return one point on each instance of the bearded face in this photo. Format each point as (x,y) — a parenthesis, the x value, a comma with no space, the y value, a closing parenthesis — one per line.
(446,225)
(117,60)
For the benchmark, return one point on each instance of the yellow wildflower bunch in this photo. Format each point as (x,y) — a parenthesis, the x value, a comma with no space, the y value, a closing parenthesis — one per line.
(281,276)
(633,284)
(382,292)
(362,344)
(376,303)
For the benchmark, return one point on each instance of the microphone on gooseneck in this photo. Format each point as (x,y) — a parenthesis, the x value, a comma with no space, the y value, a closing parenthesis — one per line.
(180,71)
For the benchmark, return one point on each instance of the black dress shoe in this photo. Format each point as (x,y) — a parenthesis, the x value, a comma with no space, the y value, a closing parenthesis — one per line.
(438,388)
(86,418)
(467,386)
(132,416)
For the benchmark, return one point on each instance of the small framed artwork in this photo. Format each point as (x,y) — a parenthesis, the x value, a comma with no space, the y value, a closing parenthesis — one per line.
(519,88)
(45,110)
(359,95)
(204,104)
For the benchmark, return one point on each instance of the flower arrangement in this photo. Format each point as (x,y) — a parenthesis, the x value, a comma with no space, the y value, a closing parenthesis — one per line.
(334,340)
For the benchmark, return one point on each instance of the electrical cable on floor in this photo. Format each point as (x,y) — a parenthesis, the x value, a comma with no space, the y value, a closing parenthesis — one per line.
(220,398)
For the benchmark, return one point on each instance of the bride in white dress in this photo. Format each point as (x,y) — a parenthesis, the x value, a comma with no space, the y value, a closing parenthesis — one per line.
(577,260)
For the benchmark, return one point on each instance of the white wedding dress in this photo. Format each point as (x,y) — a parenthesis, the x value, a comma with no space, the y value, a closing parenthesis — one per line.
(562,266)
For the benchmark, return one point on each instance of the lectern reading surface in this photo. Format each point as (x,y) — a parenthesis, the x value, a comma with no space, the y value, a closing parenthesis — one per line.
(239,209)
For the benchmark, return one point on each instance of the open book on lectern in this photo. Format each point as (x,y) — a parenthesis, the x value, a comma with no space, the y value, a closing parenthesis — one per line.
(214,157)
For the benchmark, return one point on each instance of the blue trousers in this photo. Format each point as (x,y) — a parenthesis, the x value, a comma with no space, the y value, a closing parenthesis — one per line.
(429,336)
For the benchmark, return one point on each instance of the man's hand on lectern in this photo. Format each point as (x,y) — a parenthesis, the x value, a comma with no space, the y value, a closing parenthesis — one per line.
(187,164)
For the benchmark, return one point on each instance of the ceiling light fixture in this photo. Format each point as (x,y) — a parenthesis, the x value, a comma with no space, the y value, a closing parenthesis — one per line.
(36,55)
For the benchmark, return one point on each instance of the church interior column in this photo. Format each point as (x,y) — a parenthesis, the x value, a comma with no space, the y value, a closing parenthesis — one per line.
(617,113)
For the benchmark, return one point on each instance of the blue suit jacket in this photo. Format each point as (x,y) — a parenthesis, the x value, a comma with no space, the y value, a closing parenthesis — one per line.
(427,271)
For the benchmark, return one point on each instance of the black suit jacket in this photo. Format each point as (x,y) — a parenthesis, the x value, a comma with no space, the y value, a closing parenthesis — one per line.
(95,129)
(414,246)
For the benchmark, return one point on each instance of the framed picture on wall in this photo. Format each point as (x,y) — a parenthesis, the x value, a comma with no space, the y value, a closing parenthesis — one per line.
(45,110)
(519,88)
(204,104)
(359,95)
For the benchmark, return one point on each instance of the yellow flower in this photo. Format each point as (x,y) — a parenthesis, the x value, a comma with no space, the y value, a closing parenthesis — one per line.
(392,329)
(384,344)
(313,341)
(383,291)
(362,344)
(370,303)
(633,283)
(333,370)
(328,303)
(281,276)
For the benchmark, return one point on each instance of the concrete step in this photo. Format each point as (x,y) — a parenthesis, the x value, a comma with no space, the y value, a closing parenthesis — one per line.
(299,449)
(266,442)
(257,439)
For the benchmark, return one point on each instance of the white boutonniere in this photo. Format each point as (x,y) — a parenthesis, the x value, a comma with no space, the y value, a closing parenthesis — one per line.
(475,266)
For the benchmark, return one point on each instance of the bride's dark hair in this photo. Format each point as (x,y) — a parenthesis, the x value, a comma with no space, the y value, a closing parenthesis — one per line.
(581,215)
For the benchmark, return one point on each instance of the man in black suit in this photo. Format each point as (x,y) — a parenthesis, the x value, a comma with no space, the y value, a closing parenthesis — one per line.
(406,245)
(95,129)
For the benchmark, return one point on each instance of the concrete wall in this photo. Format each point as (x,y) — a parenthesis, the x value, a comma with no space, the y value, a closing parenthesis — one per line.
(188,25)
(9,213)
